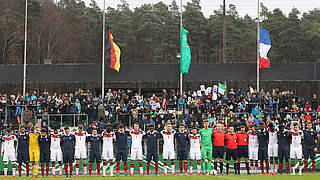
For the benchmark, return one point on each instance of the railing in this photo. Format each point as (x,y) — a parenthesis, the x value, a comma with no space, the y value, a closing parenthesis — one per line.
(62,120)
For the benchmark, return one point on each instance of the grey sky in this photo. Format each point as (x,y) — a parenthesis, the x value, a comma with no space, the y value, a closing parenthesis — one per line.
(243,6)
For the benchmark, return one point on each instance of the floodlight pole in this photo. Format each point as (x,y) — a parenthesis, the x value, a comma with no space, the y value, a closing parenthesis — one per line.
(181,75)
(25,50)
(224,32)
(103,47)
(258,47)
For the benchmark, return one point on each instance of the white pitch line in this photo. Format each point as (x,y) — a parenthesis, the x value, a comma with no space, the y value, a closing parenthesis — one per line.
(226,177)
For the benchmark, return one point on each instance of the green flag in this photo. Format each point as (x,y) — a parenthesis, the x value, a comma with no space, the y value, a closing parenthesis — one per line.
(222,88)
(185,52)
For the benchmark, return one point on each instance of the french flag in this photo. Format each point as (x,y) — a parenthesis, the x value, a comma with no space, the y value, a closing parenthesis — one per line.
(265,45)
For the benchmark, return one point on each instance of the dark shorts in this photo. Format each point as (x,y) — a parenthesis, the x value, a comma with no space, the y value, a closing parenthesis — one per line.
(263,153)
(95,156)
(152,155)
(283,153)
(44,156)
(121,155)
(309,152)
(23,157)
(243,152)
(231,153)
(68,157)
(182,155)
(218,152)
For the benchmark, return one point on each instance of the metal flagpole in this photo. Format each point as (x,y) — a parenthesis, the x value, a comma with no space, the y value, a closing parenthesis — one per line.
(103,47)
(25,50)
(258,48)
(224,32)
(181,75)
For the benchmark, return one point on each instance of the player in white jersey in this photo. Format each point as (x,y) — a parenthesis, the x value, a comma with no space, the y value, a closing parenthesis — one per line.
(81,150)
(273,149)
(55,151)
(8,152)
(253,146)
(195,151)
(136,148)
(296,148)
(107,149)
(168,148)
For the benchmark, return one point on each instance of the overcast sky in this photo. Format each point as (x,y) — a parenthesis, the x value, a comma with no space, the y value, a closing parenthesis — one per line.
(243,6)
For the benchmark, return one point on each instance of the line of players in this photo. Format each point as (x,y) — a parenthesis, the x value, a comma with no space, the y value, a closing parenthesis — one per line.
(255,145)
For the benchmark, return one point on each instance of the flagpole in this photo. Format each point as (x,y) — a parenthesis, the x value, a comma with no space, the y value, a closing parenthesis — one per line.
(25,50)
(258,48)
(181,75)
(103,47)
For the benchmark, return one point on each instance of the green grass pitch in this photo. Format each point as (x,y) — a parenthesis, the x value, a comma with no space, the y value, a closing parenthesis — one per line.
(219,177)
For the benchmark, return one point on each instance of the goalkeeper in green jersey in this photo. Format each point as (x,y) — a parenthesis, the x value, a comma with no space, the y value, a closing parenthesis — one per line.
(206,146)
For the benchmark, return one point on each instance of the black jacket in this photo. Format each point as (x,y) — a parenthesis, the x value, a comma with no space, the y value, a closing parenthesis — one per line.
(95,143)
(122,140)
(310,139)
(152,141)
(67,142)
(182,140)
(44,143)
(23,143)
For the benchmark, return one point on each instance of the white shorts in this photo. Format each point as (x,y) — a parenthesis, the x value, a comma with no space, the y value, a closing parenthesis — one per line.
(136,154)
(253,153)
(168,153)
(56,155)
(273,151)
(296,152)
(195,154)
(107,154)
(9,157)
(81,153)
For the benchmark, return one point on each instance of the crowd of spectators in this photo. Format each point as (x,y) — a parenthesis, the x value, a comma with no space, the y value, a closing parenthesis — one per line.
(236,107)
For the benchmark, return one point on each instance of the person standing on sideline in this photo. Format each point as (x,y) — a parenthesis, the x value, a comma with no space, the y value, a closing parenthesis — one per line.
(34,150)
(242,151)
(195,150)
(122,147)
(183,141)
(310,144)
(68,141)
(152,138)
(55,151)
(44,144)
(136,148)
(81,150)
(23,150)
(263,138)
(8,152)
(95,146)
(206,148)
(168,148)
(107,150)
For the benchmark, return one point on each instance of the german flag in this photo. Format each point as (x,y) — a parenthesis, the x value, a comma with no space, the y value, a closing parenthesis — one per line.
(113,52)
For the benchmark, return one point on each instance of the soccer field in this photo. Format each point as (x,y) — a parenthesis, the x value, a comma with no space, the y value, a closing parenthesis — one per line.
(224,177)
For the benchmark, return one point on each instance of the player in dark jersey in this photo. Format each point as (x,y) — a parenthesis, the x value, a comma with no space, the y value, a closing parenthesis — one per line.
(68,142)
(284,148)
(122,147)
(263,138)
(152,138)
(23,150)
(182,141)
(44,144)
(95,154)
(311,144)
